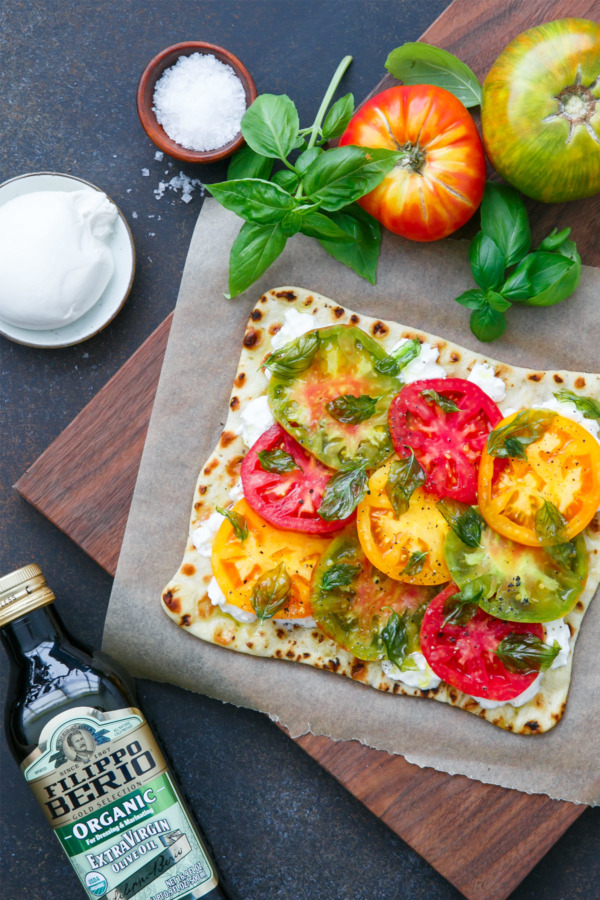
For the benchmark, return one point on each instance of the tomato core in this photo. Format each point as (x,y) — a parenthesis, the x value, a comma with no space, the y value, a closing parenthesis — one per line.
(577,106)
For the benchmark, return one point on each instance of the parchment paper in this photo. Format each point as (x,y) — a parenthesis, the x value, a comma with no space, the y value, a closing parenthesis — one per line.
(416,285)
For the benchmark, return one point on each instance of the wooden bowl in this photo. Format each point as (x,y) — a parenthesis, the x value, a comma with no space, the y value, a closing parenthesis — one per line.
(145,96)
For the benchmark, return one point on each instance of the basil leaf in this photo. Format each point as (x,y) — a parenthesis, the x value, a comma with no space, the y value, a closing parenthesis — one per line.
(395,638)
(555,240)
(248,164)
(417,63)
(343,492)
(404,477)
(277,461)
(434,399)
(292,222)
(487,323)
(497,301)
(315,224)
(338,117)
(344,174)
(352,410)
(462,607)
(543,279)
(396,361)
(504,219)
(526,653)
(306,158)
(253,199)
(464,520)
(563,553)
(473,299)
(527,427)
(270,126)
(587,406)
(237,522)
(362,254)
(253,251)
(270,592)
(550,524)
(286,179)
(294,357)
(487,261)
(415,563)
(339,575)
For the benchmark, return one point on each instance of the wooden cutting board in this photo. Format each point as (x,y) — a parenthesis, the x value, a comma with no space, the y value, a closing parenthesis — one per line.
(482,838)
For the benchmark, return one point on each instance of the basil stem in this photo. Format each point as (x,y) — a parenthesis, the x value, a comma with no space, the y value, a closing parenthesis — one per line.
(526,653)
(404,477)
(270,592)
(352,410)
(343,492)
(464,520)
(587,406)
(277,461)
(434,399)
(237,522)
(527,427)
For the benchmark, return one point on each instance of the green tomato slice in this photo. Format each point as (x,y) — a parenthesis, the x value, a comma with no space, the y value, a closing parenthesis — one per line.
(528,584)
(342,366)
(352,601)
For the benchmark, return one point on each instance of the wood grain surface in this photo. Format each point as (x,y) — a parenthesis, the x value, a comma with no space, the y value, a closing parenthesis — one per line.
(482,838)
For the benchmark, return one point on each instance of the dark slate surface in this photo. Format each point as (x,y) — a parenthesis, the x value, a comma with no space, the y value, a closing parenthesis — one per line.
(281,827)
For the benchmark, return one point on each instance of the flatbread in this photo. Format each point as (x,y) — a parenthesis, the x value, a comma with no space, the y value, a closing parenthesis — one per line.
(185,598)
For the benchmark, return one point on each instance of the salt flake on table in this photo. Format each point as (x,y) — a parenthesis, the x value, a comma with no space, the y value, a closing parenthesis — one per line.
(145,172)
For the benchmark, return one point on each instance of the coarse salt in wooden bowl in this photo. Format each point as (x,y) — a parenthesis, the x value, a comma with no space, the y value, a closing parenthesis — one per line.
(145,99)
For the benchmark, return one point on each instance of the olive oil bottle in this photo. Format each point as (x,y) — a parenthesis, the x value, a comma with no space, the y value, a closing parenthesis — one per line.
(88,754)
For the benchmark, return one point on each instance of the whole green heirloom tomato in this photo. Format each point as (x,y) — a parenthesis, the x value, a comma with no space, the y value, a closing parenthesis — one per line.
(540,112)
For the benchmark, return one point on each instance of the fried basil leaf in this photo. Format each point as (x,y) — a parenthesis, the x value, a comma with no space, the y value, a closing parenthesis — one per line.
(352,410)
(526,653)
(270,592)
(464,520)
(339,575)
(294,358)
(277,461)
(343,492)
(587,406)
(405,476)
(237,522)
(527,427)
(434,399)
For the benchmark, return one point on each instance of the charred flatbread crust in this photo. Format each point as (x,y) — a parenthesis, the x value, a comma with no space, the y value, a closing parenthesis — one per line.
(185,598)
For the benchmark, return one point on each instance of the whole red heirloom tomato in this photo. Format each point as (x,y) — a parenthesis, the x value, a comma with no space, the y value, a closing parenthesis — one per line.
(438,184)
(540,111)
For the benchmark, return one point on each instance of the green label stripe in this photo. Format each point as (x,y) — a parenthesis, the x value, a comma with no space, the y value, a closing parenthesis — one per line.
(124,814)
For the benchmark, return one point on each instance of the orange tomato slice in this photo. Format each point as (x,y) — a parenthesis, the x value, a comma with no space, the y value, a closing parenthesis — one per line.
(238,564)
(562,467)
(389,541)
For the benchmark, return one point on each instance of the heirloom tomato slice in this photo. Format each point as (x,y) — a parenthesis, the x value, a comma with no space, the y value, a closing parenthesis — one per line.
(447,444)
(391,541)
(437,184)
(289,498)
(464,655)
(561,467)
(527,584)
(352,600)
(334,402)
(237,564)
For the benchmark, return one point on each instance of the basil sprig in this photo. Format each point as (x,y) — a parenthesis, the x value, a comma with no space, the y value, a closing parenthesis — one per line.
(277,461)
(505,270)
(587,406)
(526,653)
(294,357)
(270,592)
(343,492)
(404,477)
(339,575)
(237,522)
(396,361)
(314,194)
(352,410)
(433,398)
(527,427)
(464,520)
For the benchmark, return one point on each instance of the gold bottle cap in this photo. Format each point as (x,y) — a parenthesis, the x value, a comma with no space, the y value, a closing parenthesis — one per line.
(21,592)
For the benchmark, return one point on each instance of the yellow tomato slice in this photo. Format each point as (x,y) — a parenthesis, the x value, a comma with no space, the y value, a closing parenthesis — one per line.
(238,564)
(562,467)
(389,542)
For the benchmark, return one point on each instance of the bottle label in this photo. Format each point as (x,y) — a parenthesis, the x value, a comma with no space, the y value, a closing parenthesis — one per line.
(106,789)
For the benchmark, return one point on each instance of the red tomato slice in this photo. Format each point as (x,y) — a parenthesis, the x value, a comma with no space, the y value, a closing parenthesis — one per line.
(288,500)
(448,445)
(463,655)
